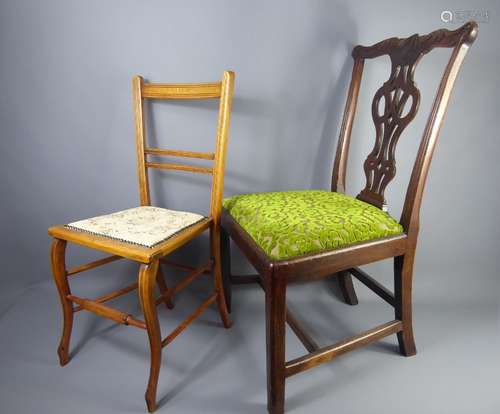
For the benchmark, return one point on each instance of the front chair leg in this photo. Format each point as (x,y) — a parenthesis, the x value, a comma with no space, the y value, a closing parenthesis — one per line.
(403,274)
(347,288)
(57,255)
(275,342)
(147,280)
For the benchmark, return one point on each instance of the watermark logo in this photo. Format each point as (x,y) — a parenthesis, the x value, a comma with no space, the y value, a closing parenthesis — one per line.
(462,16)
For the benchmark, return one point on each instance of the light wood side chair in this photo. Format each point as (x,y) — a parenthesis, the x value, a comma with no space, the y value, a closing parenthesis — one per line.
(148,234)
(307,235)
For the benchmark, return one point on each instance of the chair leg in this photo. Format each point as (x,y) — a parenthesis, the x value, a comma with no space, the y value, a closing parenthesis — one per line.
(162,285)
(57,254)
(147,280)
(275,342)
(215,245)
(347,288)
(226,267)
(403,274)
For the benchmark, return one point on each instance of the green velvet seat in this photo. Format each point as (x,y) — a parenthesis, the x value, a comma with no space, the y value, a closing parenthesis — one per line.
(292,223)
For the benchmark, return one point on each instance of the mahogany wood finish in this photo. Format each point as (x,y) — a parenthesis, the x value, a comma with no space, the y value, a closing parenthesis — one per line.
(150,273)
(394,106)
(327,353)
(347,287)
(373,285)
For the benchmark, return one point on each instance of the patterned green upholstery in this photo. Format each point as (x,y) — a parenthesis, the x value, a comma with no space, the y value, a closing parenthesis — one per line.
(292,223)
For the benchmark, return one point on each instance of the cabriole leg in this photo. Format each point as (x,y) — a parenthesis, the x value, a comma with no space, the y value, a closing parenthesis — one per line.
(147,280)
(57,254)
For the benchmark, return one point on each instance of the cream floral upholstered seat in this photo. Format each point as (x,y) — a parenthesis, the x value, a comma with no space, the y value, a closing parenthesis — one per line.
(143,226)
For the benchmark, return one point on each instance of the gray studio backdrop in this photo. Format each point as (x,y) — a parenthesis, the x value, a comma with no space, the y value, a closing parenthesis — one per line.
(67,137)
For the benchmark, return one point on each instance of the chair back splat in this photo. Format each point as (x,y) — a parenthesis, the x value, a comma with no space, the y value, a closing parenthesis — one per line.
(394,106)
(218,90)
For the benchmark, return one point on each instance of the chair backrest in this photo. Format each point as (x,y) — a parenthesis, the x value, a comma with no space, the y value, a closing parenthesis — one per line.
(218,90)
(394,106)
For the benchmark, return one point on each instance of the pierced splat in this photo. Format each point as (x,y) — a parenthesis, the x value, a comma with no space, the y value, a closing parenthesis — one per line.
(396,103)
(394,106)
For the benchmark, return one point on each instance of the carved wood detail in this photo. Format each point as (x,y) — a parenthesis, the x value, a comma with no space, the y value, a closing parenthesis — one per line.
(396,102)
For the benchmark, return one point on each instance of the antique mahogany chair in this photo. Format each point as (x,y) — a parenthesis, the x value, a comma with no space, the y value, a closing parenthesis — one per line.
(306,235)
(147,234)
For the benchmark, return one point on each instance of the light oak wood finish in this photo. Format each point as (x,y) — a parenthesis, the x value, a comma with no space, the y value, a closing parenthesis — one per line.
(87,266)
(128,250)
(182,154)
(147,279)
(179,167)
(142,174)
(150,273)
(57,255)
(175,265)
(182,90)
(380,168)
(109,296)
(195,273)
(162,286)
(184,324)
(107,312)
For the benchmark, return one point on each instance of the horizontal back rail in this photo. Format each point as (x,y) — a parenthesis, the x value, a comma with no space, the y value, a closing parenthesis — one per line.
(439,38)
(181,90)
(179,167)
(182,154)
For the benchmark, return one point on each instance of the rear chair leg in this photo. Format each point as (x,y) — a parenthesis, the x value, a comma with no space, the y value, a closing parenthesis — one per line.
(162,285)
(215,244)
(226,267)
(347,288)
(147,280)
(57,254)
(403,275)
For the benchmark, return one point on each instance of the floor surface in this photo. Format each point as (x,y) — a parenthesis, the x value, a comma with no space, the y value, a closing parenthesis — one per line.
(212,370)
